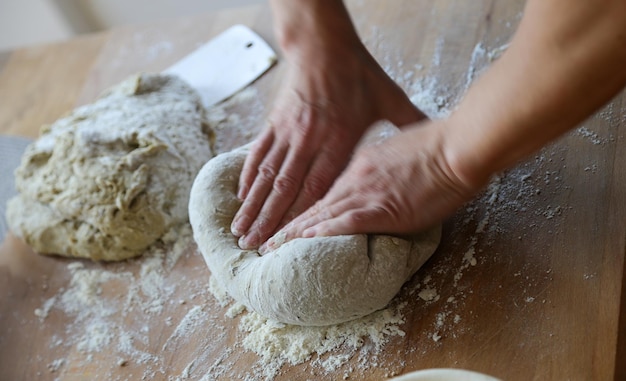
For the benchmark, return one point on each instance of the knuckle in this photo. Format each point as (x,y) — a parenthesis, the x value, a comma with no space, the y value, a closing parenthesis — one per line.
(363,166)
(285,185)
(359,217)
(267,172)
(264,225)
(353,220)
(315,187)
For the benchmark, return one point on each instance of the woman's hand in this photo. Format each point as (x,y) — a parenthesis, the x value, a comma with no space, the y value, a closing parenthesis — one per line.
(334,91)
(402,185)
(559,68)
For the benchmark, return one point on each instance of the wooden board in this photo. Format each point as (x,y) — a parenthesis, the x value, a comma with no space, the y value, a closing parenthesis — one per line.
(544,299)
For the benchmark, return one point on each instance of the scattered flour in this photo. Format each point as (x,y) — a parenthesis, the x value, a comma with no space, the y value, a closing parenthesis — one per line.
(278,344)
(56,365)
(42,313)
(429,97)
(428,295)
(188,325)
(239,115)
(96,293)
(96,297)
(235,310)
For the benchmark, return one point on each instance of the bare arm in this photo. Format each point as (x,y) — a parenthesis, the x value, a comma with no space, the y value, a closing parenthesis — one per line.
(567,58)
(333,91)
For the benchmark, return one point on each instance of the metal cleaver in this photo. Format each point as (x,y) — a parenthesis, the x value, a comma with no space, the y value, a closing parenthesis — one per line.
(226,64)
(217,70)
(11,150)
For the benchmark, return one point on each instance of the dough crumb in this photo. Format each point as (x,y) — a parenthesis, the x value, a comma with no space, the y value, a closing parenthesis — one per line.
(55,365)
(235,310)
(428,294)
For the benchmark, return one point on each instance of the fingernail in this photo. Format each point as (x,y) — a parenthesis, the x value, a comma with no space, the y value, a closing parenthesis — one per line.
(242,193)
(235,227)
(264,247)
(249,241)
(309,233)
(242,242)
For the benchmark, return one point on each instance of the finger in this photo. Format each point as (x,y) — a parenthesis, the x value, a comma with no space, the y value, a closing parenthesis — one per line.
(353,221)
(259,190)
(250,167)
(284,190)
(318,180)
(292,230)
(313,216)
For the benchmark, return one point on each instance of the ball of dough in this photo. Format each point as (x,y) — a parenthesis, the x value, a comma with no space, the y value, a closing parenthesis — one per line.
(111,178)
(306,281)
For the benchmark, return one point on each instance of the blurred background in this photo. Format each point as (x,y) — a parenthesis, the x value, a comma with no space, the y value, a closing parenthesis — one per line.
(29,22)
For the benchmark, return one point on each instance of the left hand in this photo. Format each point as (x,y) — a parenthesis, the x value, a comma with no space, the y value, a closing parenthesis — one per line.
(402,185)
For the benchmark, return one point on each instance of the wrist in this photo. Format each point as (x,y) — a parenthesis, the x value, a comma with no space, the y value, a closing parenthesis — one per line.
(307,30)
(467,157)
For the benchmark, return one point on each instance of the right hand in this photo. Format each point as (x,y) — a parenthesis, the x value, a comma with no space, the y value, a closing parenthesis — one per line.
(402,185)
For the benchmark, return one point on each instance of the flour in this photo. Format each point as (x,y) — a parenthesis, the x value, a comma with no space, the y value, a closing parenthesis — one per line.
(327,349)
(240,115)
(219,293)
(235,310)
(429,97)
(278,344)
(42,313)
(187,325)
(428,295)
(100,334)
(93,305)
(56,365)
(144,48)
(109,308)
(590,135)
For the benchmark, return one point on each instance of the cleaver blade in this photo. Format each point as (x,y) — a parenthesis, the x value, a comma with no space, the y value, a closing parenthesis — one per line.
(11,150)
(225,64)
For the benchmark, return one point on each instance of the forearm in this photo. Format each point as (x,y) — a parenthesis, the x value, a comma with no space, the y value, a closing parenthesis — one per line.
(566,60)
(306,28)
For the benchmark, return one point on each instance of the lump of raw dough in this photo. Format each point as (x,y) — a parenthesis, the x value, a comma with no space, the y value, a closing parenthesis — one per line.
(111,178)
(312,281)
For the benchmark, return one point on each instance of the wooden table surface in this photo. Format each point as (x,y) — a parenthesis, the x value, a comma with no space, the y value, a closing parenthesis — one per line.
(543,297)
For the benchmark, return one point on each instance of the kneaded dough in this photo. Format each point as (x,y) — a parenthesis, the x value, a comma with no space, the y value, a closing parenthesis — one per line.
(306,281)
(111,178)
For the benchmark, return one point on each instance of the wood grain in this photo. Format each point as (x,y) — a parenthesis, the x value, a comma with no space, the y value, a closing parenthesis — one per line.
(545,299)
(4,57)
(40,84)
